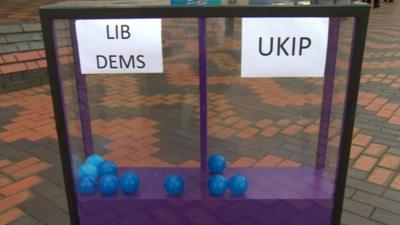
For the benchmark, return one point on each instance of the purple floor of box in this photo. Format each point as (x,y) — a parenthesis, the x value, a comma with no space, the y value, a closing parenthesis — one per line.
(276,196)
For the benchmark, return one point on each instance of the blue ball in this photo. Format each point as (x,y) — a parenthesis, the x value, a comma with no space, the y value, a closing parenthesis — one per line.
(88,170)
(107,167)
(108,184)
(129,183)
(174,185)
(238,185)
(95,160)
(216,164)
(213,2)
(86,185)
(217,185)
(178,2)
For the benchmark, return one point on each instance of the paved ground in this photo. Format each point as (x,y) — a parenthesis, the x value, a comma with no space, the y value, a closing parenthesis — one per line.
(283,119)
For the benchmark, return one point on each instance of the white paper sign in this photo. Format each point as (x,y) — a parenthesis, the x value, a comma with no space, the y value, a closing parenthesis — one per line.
(284,47)
(120,46)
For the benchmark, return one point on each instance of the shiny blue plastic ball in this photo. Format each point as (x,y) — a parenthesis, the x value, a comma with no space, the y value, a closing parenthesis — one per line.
(88,170)
(238,185)
(217,185)
(213,2)
(129,183)
(178,2)
(86,185)
(174,185)
(107,167)
(216,164)
(95,160)
(108,184)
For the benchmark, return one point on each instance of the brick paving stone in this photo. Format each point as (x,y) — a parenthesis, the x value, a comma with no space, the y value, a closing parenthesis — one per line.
(287,163)
(20,165)
(14,200)
(264,123)
(8,48)
(4,162)
(17,37)
(282,122)
(358,207)
(49,190)
(349,192)
(13,68)
(355,151)
(375,149)
(3,40)
(61,203)
(39,208)
(312,129)
(58,219)
(380,176)
(225,133)
(10,215)
(365,186)
(30,170)
(270,132)
(365,163)
(7,29)
(241,124)
(386,217)
(352,219)
(29,27)
(25,56)
(26,220)
(390,161)
(4,181)
(248,132)
(362,140)
(244,162)
(377,201)
(355,173)
(269,161)
(292,130)
(396,183)
(9,58)
(20,185)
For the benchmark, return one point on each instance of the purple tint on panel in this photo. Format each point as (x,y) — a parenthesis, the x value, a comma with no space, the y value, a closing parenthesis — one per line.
(209,212)
(329,82)
(276,196)
(83,102)
(62,112)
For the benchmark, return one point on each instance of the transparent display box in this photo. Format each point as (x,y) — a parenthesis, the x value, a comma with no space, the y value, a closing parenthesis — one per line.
(289,136)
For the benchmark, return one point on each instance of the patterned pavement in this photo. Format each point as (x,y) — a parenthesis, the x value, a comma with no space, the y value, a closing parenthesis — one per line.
(284,120)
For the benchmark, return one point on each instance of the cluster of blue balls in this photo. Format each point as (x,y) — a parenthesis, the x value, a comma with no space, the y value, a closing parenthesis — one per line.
(217,184)
(97,173)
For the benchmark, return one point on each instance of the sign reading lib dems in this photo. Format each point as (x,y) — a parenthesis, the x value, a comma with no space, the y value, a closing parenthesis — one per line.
(284,47)
(120,46)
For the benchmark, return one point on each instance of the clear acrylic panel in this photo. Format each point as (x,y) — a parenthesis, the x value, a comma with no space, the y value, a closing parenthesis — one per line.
(144,123)
(281,133)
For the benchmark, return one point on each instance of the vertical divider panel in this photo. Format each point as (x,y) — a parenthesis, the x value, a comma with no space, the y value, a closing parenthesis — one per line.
(327,96)
(57,92)
(203,101)
(84,113)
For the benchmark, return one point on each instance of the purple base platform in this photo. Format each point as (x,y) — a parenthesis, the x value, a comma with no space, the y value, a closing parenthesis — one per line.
(276,196)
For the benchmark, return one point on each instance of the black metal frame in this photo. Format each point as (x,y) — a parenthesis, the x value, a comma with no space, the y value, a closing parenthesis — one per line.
(358,11)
